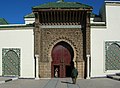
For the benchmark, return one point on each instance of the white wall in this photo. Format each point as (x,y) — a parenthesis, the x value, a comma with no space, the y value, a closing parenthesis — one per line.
(23,39)
(98,37)
(29,20)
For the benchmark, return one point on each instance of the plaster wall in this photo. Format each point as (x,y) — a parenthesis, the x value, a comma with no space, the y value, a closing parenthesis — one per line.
(29,20)
(24,40)
(99,35)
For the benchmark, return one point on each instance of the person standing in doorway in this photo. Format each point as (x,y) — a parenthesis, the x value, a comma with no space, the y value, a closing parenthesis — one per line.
(74,75)
(56,72)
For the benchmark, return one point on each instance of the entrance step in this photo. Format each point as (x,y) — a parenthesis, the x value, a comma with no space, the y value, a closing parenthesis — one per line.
(114,76)
(7,79)
(118,74)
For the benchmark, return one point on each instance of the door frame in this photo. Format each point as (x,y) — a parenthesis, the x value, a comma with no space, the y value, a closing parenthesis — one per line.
(60,64)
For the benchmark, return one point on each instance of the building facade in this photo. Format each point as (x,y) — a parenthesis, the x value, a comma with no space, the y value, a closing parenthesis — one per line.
(17,51)
(58,36)
(105,41)
(62,37)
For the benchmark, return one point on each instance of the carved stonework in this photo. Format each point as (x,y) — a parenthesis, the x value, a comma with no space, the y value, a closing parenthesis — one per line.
(52,36)
(70,25)
(37,33)
(47,37)
(88,34)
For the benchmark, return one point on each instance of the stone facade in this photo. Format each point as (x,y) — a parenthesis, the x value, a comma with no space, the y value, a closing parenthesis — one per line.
(47,38)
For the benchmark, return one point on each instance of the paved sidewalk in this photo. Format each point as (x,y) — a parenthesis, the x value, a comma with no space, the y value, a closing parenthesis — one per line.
(62,83)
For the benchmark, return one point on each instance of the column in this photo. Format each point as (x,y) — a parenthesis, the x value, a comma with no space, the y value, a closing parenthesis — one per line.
(37,34)
(88,66)
(88,33)
(36,66)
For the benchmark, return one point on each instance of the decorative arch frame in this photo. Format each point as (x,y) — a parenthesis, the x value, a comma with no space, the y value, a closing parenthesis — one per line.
(54,42)
(50,39)
(112,61)
(14,63)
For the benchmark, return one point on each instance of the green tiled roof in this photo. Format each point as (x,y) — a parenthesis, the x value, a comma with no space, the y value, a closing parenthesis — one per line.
(31,15)
(94,15)
(3,21)
(63,5)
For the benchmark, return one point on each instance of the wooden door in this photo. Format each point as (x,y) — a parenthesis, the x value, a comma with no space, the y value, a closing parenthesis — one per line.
(61,60)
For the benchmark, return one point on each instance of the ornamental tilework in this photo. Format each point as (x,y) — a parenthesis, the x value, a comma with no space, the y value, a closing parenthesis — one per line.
(112,61)
(11,61)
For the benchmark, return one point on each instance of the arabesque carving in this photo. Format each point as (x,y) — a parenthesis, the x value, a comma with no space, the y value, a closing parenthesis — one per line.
(51,36)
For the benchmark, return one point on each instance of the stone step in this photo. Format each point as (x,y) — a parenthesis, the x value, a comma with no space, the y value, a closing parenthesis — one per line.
(115,77)
(118,74)
(7,79)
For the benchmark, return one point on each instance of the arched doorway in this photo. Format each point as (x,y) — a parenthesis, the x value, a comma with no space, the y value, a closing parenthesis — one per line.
(62,59)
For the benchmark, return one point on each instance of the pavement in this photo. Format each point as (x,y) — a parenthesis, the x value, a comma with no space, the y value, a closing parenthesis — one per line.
(62,83)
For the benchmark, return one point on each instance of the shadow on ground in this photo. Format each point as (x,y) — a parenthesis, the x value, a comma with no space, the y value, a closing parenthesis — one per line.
(66,82)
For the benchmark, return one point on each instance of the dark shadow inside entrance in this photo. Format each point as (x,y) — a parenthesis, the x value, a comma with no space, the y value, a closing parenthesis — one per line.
(68,71)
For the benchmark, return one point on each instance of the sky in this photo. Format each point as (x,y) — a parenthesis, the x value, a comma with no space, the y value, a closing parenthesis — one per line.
(15,10)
